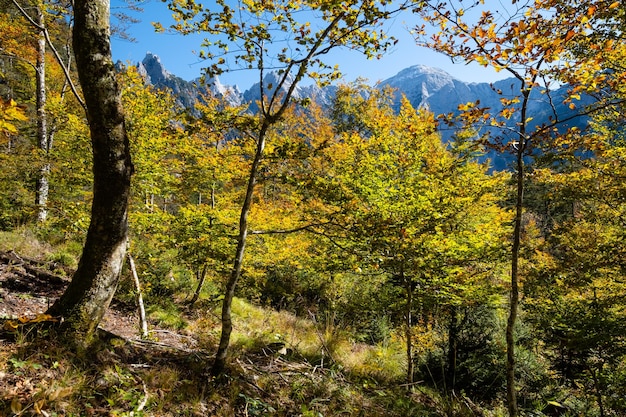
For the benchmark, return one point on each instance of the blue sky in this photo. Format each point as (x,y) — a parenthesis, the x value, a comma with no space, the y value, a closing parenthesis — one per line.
(179,53)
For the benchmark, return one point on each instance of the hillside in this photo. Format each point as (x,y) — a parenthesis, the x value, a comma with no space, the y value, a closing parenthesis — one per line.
(352,250)
(282,365)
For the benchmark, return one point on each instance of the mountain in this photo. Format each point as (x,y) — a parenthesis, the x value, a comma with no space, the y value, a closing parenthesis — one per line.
(424,86)
(438,91)
(187,93)
(271,80)
(435,89)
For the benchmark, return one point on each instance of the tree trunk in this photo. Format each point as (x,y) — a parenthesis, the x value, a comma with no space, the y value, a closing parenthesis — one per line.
(143,323)
(86,299)
(41,193)
(453,338)
(511,393)
(597,389)
(227,323)
(408,327)
(201,278)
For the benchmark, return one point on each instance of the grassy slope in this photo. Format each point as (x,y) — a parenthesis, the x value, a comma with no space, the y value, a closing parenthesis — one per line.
(280,365)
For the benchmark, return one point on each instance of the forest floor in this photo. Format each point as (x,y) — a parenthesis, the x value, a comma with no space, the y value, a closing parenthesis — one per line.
(28,287)
(168,373)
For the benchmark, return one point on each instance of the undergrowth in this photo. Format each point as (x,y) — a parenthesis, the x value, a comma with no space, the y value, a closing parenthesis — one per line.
(42,377)
(280,365)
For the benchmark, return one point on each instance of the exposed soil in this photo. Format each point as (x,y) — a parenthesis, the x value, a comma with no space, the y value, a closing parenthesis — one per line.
(28,287)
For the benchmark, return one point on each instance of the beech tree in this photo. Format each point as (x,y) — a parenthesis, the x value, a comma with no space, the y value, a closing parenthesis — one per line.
(397,202)
(46,126)
(247,35)
(575,286)
(532,42)
(93,285)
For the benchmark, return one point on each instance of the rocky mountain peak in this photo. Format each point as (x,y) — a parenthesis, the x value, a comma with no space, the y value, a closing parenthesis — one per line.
(153,70)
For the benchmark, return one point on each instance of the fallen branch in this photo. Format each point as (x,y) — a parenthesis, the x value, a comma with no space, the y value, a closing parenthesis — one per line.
(144,401)
(12,258)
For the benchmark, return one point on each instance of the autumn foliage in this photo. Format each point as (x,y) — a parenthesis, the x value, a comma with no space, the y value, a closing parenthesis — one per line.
(494,289)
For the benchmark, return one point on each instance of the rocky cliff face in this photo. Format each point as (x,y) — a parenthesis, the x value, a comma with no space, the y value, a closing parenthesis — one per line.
(187,93)
(438,91)
(432,88)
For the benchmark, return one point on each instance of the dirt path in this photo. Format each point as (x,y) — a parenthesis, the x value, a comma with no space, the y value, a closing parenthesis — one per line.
(28,287)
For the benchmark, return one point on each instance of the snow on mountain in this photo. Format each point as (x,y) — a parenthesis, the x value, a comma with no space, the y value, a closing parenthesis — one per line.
(272,79)
(431,88)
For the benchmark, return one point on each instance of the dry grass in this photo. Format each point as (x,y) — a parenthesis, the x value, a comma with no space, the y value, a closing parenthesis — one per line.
(281,365)
(24,242)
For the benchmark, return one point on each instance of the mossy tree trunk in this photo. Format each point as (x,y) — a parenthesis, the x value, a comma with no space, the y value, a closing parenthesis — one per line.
(86,299)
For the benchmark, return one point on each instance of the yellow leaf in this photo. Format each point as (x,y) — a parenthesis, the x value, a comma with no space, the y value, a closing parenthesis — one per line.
(42,317)
(60,393)
(10,326)
(482,61)
(16,406)
(38,405)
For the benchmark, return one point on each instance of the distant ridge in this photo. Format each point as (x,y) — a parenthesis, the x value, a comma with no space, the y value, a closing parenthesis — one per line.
(424,87)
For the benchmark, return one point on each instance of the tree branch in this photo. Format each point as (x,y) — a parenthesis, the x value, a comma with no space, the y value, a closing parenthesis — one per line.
(54,51)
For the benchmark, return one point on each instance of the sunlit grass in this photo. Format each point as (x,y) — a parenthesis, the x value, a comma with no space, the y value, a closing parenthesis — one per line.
(166,314)
(333,374)
(318,341)
(24,242)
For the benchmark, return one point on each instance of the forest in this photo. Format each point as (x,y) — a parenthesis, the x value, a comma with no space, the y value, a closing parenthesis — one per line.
(295,258)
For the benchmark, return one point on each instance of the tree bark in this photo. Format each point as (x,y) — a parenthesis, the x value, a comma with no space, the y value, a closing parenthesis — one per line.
(453,341)
(511,393)
(41,194)
(201,278)
(227,322)
(86,299)
(143,323)
(408,327)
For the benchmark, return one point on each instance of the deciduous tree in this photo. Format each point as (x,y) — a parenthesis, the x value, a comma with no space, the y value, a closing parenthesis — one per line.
(87,297)
(248,34)
(45,125)
(399,204)
(527,41)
